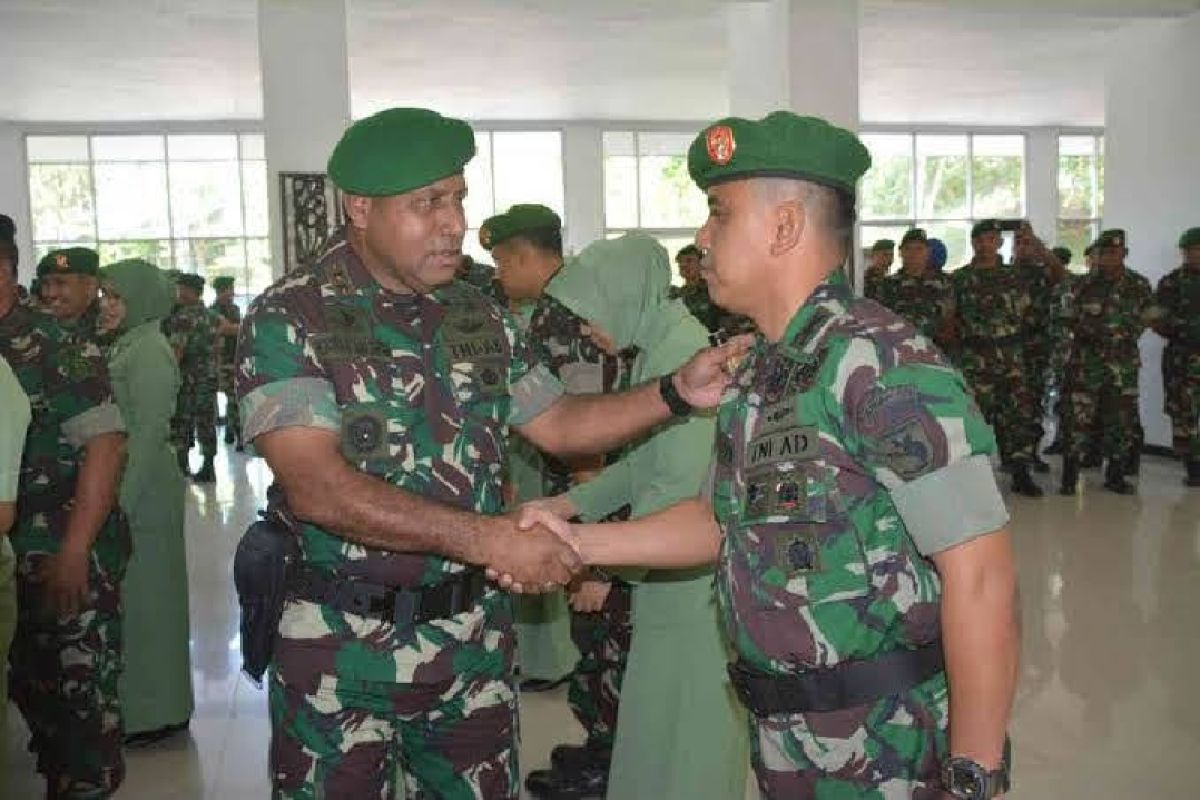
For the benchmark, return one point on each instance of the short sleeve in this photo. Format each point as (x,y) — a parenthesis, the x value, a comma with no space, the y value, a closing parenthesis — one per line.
(919,433)
(533,387)
(280,382)
(14,423)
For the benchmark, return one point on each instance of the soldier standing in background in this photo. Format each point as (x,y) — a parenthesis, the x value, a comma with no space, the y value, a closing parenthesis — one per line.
(1112,308)
(921,295)
(694,293)
(883,253)
(228,317)
(191,330)
(1178,321)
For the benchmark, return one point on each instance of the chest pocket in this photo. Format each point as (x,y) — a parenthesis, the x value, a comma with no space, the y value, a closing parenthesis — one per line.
(475,350)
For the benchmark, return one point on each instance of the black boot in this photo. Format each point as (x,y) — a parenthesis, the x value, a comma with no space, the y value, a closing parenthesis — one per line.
(1055,448)
(1070,477)
(1193,472)
(573,757)
(1039,465)
(1022,483)
(550,784)
(1114,478)
(228,434)
(1091,460)
(206,474)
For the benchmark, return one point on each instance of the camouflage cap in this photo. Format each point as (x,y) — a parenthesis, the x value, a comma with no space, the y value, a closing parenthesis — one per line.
(1114,237)
(1190,238)
(223,282)
(883,245)
(985,226)
(519,219)
(780,145)
(399,150)
(191,281)
(69,261)
(914,235)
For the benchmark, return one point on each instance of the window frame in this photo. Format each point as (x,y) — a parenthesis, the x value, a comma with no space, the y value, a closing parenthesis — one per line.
(1096,221)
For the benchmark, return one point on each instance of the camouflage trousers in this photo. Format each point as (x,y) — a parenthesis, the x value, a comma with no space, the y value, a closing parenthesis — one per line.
(1038,369)
(1107,402)
(603,638)
(891,750)
(64,677)
(392,741)
(195,417)
(1004,390)
(1181,395)
(233,417)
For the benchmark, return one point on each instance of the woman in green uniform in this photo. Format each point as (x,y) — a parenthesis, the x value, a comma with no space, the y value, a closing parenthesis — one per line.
(156,687)
(680,732)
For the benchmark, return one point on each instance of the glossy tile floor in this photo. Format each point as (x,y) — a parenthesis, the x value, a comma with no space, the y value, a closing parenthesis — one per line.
(1109,706)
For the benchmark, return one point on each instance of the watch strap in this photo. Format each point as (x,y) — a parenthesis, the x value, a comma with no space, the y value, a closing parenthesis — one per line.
(671,396)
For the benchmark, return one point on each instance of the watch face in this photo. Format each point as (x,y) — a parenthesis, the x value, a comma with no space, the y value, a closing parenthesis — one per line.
(967,781)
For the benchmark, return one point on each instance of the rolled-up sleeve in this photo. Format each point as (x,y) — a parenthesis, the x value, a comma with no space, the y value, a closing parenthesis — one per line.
(95,421)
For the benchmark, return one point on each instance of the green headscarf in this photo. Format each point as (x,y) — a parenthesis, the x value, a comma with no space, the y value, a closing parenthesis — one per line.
(621,284)
(143,287)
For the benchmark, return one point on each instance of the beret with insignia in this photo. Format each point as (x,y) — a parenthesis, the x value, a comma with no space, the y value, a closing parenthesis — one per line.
(223,282)
(914,235)
(1114,237)
(883,245)
(985,226)
(399,150)
(191,281)
(69,261)
(1063,254)
(1190,238)
(519,219)
(689,250)
(780,145)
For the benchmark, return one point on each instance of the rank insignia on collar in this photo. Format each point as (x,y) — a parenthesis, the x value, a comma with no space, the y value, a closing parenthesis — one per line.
(776,380)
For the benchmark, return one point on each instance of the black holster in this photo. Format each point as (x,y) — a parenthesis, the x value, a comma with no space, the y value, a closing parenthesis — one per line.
(267,558)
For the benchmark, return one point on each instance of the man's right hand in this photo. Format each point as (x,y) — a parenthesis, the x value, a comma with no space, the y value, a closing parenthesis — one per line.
(533,560)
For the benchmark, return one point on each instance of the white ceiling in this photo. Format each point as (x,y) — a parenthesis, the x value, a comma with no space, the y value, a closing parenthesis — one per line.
(923,61)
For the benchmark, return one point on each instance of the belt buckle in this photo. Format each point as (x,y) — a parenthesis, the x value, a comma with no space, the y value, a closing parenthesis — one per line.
(405,608)
(362,600)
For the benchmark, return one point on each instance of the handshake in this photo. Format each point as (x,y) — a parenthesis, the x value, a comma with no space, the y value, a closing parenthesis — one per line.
(532,550)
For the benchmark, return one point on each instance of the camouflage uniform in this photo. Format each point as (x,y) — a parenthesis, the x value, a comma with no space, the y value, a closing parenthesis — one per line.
(65,669)
(562,342)
(420,389)
(1178,301)
(1039,345)
(695,297)
(1108,317)
(824,445)
(226,353)
(873,281)
(191,330)
(927,301)
(995,313)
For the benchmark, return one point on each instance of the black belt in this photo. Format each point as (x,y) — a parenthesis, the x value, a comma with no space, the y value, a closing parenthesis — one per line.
(854,683)
(402,607)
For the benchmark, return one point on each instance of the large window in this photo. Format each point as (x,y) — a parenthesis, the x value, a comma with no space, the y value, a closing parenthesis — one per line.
(511,167)
(1080,192)
(943,183)
(647,187)
(192,202)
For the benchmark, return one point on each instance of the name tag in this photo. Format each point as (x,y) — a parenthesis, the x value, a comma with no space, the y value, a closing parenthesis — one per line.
(790,444)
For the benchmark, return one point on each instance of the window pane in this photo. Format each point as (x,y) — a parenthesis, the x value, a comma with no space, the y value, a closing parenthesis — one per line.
(127,148)
(208,147)
(56,148)
(1077,145)
(211,257)
(253,146)
(206,198)
(156,251)
(131,200)
(258,268)
(998,176)
(1076,186)
(887,188)
(1100,181)
(60,197)
(528,168)
(955,235)
(619,143)
(1076,235)
(40,249)
(667,196)
(472,248)
(254,193)
(942,176)
(652,143)
(620,191)
(479,205)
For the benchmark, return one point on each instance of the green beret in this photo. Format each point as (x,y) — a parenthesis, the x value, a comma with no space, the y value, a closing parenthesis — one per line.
(914,235)
(223,282)
(1063,254)
(191,281)
(1091,248)
(985,226)
(69,261)
(689,250)
(1114,237)
(519,219)
(1190,238)
(780,145)
(883,245)
(399,150)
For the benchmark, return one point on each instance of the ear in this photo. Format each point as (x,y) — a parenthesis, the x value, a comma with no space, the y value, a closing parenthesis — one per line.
(790,220)
(357,208)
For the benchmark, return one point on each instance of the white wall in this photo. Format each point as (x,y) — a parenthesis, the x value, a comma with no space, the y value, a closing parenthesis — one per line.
(1152,167)
(14,192)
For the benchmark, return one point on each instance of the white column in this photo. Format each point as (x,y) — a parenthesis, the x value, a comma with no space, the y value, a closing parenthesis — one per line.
(1041,179)
(583,179)
(14,194)
(1152,164)
(306,89)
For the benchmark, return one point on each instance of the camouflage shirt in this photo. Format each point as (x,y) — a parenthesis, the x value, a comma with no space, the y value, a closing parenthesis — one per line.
(873,280)
(993,304)
(227,347)
(926,301)
(695,297)
(1109,315)
(1178,304)
(420,390)
(192,332)
(838,450)
(71,400)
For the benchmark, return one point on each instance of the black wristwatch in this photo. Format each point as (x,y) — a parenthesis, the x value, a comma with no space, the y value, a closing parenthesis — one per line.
(964,779)
(671,396)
